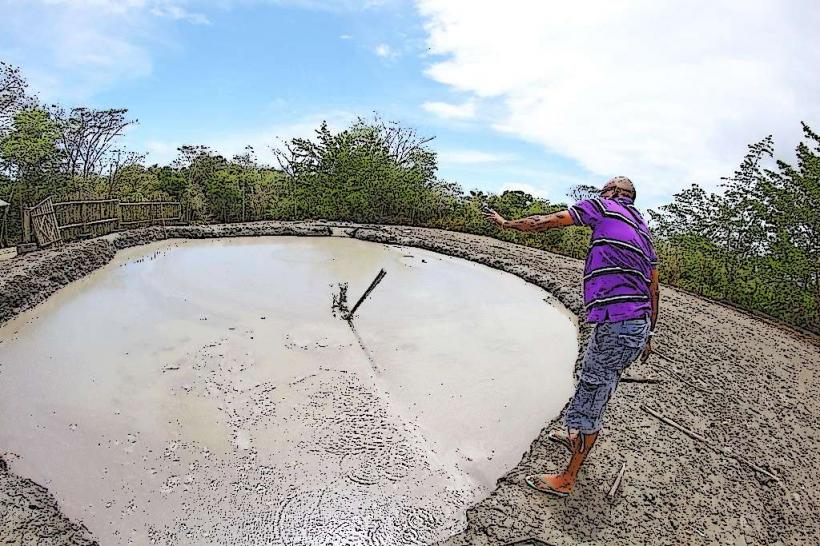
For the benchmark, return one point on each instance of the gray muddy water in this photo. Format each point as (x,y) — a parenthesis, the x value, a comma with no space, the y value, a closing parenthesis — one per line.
(198,392)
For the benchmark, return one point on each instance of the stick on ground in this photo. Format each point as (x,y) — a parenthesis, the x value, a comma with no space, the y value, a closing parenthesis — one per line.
(617,483)
(679,377)
(632,379)
(367,292)
(694,435)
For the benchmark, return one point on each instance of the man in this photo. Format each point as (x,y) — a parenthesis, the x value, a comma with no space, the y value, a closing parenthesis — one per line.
(621,299)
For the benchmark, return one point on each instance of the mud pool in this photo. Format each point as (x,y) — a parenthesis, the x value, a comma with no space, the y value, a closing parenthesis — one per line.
(196,392)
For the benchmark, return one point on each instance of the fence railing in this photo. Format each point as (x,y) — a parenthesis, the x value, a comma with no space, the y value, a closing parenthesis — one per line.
(136,214)
(90,218)
(94,217)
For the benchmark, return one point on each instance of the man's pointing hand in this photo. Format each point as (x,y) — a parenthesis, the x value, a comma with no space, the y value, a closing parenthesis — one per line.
(495,218)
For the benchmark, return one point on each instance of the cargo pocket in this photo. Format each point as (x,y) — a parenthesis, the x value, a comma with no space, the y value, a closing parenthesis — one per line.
(632,336)
(632,341)
(633,333)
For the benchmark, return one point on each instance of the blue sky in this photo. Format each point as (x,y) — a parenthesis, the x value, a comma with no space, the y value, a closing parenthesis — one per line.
(531,95)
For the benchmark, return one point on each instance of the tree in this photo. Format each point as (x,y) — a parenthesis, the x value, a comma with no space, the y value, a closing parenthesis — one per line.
(29,153)
(86,136)
(13,95)
(757,243)
(170,181)
(740,229)
(247,171)
(402,144)
(199,165)
(691,211)
(118,162)
(792,205)
(583,191)
(370,171)
(512,203)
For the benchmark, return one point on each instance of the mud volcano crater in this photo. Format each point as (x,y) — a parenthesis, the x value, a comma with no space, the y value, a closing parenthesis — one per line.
(203,391)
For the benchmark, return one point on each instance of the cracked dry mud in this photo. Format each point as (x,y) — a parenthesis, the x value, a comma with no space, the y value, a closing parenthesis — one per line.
(758,397)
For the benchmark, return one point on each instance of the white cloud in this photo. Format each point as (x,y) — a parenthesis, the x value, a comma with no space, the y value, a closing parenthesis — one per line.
(261,139)
(337,6)
(345,37)
(159,152)
(179,13)
(73,49)
(111,6)
(384,51)
(472,156)
(526,188)
(666,93)
(446,110)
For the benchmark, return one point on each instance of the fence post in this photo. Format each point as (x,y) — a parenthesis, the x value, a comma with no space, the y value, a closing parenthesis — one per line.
(26,225)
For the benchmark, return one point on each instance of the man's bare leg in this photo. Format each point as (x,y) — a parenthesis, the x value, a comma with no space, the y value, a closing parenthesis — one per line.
(564,482)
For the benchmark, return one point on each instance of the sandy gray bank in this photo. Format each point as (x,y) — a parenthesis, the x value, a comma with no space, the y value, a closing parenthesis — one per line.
(757,395)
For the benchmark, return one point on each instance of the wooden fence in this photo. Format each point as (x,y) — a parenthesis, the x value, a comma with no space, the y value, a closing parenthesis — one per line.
(150,212)
(41,217)
(80,219)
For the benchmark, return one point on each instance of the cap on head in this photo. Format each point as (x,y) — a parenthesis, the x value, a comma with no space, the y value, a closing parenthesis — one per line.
(622,183)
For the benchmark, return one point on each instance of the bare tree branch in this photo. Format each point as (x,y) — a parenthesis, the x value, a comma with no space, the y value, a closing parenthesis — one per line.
(87,135)
(13,95)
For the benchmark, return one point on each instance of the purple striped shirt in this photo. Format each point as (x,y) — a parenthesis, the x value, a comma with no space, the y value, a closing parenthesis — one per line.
(619,262)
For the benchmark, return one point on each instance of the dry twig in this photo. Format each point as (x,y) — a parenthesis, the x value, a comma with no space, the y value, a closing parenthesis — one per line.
(694,435)
(617,483)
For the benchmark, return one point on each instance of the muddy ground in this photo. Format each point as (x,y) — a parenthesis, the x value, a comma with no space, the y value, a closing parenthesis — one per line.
(749,387)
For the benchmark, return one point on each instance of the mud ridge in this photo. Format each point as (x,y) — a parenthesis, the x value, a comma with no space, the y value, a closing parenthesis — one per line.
(30,515)
(762,400)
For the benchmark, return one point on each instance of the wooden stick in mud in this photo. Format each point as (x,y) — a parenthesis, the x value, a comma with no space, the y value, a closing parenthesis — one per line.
(694,435)
(678,376)
(668,421)
(367,292)
(617,483)
(632,379)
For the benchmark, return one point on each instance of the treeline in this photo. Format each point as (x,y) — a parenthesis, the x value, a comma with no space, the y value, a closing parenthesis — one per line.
(755,244)
(77,153)
(382,172)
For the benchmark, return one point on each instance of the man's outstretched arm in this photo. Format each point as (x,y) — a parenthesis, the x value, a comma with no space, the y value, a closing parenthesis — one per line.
(537,222)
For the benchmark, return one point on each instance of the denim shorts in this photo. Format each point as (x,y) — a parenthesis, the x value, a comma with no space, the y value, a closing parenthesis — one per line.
(612,347)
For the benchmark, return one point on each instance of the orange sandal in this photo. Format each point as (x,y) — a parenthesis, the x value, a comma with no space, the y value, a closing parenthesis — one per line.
(540,485)
(561,436)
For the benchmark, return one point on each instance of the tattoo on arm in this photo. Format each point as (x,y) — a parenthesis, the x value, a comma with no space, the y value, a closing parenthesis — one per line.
(541,222)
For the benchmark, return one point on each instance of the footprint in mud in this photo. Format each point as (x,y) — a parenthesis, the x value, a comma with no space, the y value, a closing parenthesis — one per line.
(312,518)
(391,464)
(356,434)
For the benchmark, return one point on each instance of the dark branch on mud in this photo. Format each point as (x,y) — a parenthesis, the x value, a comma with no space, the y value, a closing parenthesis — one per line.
(367,292)
(340,303)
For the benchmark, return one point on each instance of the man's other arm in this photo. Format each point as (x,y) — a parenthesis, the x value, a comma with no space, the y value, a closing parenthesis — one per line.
(655,294)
